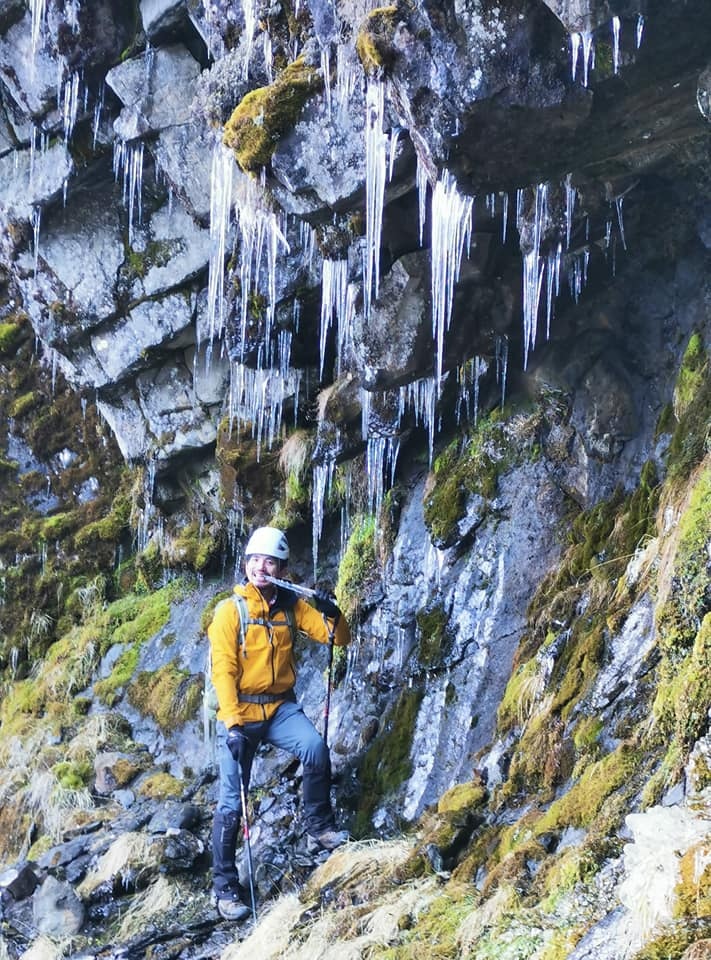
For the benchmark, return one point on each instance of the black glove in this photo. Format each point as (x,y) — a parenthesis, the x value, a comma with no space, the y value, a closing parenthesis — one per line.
(326,605)
(236,743)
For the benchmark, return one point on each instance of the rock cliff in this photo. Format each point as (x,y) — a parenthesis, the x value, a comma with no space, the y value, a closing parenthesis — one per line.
(428,286)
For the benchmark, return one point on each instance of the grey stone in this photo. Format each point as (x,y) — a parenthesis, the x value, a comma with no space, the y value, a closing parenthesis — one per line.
(183,154)
(29,76)
(57,910)
(156,88)
(30,179)
(172,248)
(162,15)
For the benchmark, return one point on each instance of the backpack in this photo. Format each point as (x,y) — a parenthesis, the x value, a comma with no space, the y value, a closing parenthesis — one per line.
(209,696)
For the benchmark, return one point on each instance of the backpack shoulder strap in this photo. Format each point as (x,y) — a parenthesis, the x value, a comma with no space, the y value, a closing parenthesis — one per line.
(243,617)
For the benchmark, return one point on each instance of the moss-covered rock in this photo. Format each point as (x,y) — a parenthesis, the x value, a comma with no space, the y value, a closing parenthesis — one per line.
(266,114)
(358,570)
(170,695)
(374,43)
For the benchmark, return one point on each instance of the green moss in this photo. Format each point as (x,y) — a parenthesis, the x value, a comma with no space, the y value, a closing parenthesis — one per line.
(684,692)
(266,114)
(587,733)
(672,941)
(691,376)
(73,775)
(209,610)
(462,797)
(358,569)
(170,695)
(25,403)
(109,689)
(10,336)
(161,786)
(198,545)
(464,468)
(57,526)
(374,43)
(692,406)
(435,635)
(521,690)
(386,765)
(108,529)
(584,800)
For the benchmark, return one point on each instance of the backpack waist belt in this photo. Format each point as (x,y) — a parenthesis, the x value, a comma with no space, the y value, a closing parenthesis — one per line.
(263,698)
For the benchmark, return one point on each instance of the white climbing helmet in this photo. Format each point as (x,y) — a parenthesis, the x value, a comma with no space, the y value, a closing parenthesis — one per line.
(269,542)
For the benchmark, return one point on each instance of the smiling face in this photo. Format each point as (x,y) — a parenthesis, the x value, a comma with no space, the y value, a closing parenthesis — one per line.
(257,566)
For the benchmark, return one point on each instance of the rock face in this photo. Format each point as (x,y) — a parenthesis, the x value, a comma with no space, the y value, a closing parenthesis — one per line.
(448,324)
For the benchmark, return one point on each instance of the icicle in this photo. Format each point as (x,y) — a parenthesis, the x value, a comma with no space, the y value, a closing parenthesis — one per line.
(98,109)
(334,299)
(347,76)
(640,30)
(575,41)
(422,185)
(259,227)
(268,56)
(615,45)
(146,514)
(220,208)
(37,9)
(421,396)
(70,104)
(618,204)
(257,398)
(469,374)
(588,55)
(502,364)
(380,461)
(375,172)
(35,219)
(247,39)
(321,487)
(451,230)
(504,216)
(128,160)
(570,196)
(326,73)
(345,325)
(392,151)
(552,285)
(533,269)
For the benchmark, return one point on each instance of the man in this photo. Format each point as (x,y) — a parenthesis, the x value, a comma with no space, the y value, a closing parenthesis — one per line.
(253,672)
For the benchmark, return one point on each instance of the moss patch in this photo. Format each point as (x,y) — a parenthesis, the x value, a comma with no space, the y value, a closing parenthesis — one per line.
(170,695)
(266,114)
(387,763)
(374,43)
(358,570)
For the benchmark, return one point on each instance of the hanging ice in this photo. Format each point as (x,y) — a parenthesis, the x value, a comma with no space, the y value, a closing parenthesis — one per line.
(422,185)
(640,30)
(533,269)
(321,487)
(451,231)
(376,143)
(582,41)
(334,300)
(468,375)
(128,162)
(615,44)
(220,209)
(618,204)
(502,364)
(37,10)
(249,10)
(380,463)
(570,196)
(70,104)
(260,227)
(257,399)
(36,218)
(421,397)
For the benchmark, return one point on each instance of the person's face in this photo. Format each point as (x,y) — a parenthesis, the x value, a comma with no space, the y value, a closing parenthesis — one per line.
(258,566)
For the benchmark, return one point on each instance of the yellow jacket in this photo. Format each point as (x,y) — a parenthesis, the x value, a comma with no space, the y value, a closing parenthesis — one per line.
(266,664)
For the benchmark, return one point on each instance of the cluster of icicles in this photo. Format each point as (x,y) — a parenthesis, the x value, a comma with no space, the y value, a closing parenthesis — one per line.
(258,394)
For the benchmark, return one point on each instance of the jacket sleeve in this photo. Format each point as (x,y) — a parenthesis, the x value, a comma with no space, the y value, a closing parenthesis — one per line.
(311,622)
(226,669)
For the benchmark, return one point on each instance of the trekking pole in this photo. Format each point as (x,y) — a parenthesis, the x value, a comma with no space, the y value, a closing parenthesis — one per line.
(329,683)
(248,845)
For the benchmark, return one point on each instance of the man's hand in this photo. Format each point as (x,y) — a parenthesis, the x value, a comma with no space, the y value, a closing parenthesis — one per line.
(326,605)
(236,743)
